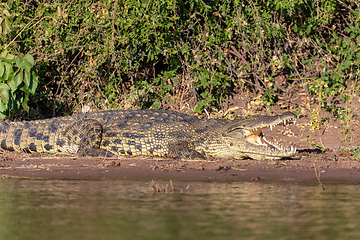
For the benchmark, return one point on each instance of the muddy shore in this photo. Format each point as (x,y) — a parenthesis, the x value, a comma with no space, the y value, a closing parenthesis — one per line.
(305,167)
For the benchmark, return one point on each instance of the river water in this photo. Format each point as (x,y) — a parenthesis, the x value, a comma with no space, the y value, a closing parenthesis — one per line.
(46,209)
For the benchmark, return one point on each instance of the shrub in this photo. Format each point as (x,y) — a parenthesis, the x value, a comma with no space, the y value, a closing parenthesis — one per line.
(17,77)
(111,54)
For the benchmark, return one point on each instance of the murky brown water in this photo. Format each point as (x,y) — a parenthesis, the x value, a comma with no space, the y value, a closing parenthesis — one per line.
(34,209)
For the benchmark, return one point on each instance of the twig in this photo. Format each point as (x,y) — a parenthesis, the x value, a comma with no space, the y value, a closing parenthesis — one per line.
(25,28)
(206,113)
(172,186)
(317,174)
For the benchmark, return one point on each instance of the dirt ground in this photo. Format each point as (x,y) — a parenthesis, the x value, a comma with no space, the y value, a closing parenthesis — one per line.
(309,165)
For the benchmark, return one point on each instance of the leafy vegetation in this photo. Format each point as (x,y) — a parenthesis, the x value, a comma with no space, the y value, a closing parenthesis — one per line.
(356,152)
(17,82)
(184,54)
(17,77)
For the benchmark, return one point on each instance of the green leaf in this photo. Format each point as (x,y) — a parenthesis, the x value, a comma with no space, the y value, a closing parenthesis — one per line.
(3,108)
(33,83)
(29,59)
(26,79)
(295,28)
(2,69)
(24,103)
(6,26)
(8,71)
(156,104)
(15,81)
(18,79)
(308,29)
(5,55)
(347,30)
(4,92)
(23,64)
(12,86)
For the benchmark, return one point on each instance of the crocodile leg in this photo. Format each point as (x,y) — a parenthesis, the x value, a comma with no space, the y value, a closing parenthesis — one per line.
(88,135)
(184,150)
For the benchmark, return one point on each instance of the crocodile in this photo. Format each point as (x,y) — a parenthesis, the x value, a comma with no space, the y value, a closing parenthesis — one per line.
(159,133)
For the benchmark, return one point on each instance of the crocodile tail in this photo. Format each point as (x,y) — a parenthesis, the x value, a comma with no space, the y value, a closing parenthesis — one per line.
(28,136)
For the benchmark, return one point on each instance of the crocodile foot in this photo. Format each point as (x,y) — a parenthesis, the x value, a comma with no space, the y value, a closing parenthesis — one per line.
(184,150)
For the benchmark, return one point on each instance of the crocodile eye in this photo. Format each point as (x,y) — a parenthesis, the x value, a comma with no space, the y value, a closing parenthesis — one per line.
(231,144)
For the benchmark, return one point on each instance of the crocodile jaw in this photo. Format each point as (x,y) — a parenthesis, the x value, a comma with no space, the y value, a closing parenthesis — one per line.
(253,144)
(264,148)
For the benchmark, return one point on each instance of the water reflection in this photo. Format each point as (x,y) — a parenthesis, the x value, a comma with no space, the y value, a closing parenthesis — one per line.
(32,209)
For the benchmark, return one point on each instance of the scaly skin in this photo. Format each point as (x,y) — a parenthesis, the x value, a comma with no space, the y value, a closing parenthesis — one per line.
(147,132)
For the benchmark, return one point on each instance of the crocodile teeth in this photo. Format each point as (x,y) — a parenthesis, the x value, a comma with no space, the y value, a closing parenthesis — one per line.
(284,122)
(277,147)
(287,121)
(256,137)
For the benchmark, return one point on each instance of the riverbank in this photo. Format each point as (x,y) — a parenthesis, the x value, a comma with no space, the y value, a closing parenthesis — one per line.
(306,167)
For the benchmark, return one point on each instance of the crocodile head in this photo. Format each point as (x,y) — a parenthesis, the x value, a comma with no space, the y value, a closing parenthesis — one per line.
(245,139)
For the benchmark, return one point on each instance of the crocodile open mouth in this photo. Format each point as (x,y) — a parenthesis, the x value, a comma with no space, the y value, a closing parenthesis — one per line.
(256,137)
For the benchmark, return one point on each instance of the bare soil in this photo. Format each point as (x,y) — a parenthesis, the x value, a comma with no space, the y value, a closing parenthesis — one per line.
(308,167)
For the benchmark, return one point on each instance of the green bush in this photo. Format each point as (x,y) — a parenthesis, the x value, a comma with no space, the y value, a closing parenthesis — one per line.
(111,54)
(17,78)
(17,82)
